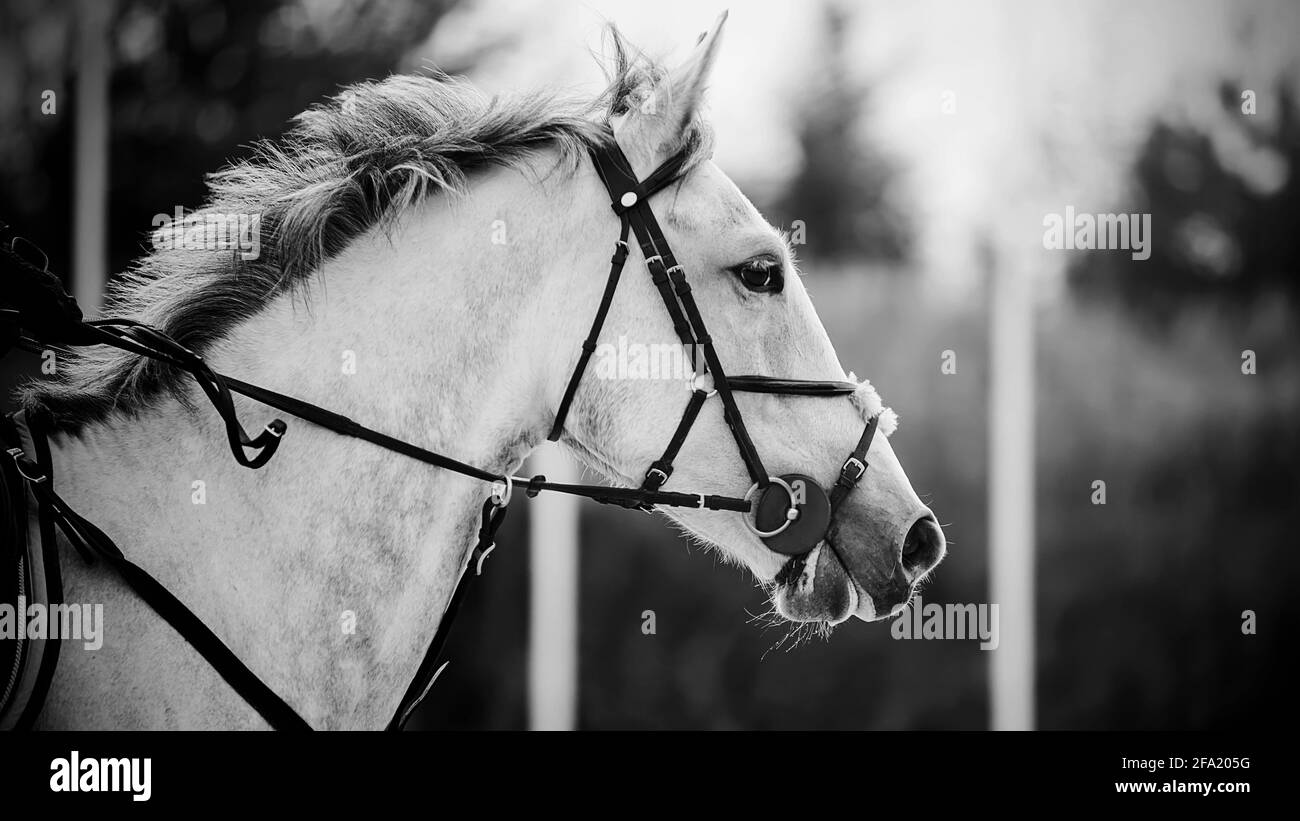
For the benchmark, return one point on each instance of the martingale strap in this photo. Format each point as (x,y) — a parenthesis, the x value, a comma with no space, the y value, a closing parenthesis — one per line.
(94,545)
(494,513)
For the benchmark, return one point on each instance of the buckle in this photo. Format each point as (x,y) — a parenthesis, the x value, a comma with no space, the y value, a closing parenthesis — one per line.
(19,457)
(853,463)
(662,474)
(501,496)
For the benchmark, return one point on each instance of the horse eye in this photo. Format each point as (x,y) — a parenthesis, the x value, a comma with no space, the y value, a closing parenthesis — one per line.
(761,276)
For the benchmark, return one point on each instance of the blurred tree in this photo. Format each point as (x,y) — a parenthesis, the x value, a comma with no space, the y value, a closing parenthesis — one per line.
(844,191)
(1224,203)
(192,81)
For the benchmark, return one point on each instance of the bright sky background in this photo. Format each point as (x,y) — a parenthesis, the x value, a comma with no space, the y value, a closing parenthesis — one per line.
(1051,97)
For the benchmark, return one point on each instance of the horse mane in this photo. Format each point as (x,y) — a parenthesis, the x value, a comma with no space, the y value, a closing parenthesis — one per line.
(347,165)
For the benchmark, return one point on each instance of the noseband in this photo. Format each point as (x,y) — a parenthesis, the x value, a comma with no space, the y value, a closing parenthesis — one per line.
(793,512)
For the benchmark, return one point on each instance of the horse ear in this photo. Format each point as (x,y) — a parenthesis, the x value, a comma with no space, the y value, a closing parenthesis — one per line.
(665,113)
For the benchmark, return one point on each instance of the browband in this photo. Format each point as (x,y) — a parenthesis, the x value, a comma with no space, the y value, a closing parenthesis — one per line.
(791,387)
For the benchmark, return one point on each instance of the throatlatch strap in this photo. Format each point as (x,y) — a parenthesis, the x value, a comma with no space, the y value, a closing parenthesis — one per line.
(589,346)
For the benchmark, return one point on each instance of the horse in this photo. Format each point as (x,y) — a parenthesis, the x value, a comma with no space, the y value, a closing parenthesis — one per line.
(429,260)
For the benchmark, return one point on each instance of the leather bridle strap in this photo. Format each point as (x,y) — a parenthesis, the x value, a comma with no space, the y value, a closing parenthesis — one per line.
(93,544)
(49,559)
(854,467)
(494,513)
(589,344)
(630,200)
(41,307)
(663,176)
(340,424)
(792,387)
(662,467)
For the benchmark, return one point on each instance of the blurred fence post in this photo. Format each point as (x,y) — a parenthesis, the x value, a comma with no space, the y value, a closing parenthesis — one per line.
(90,170)
(1011,487)
(553,597)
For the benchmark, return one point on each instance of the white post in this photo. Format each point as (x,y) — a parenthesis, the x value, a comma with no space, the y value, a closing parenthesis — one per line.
(553,597)
(90,171)
(1011,489)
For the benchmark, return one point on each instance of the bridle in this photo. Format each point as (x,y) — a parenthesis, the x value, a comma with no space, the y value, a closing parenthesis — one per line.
(790,526)
(792,513)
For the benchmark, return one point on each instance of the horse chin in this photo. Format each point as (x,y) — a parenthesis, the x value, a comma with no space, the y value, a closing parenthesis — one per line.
(818,589)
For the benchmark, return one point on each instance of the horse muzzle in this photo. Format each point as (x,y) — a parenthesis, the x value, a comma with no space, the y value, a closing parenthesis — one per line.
(842,577)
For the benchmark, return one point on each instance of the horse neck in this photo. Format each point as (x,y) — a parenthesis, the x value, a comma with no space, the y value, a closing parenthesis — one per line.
(426,332)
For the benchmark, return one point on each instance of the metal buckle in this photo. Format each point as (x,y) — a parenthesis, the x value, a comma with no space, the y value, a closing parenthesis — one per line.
(660,472)
(502,499)
(17,455)
(853,462)
(699,381)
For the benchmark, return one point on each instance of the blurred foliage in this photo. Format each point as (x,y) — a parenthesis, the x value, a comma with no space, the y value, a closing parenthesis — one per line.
(844,191)
(193,80)
(1224,203)
(1141,599)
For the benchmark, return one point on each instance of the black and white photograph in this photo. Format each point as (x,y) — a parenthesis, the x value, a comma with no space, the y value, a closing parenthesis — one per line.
(866,375)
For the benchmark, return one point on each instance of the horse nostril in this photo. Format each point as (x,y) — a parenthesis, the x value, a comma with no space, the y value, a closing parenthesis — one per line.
(923,547)
(912,543)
